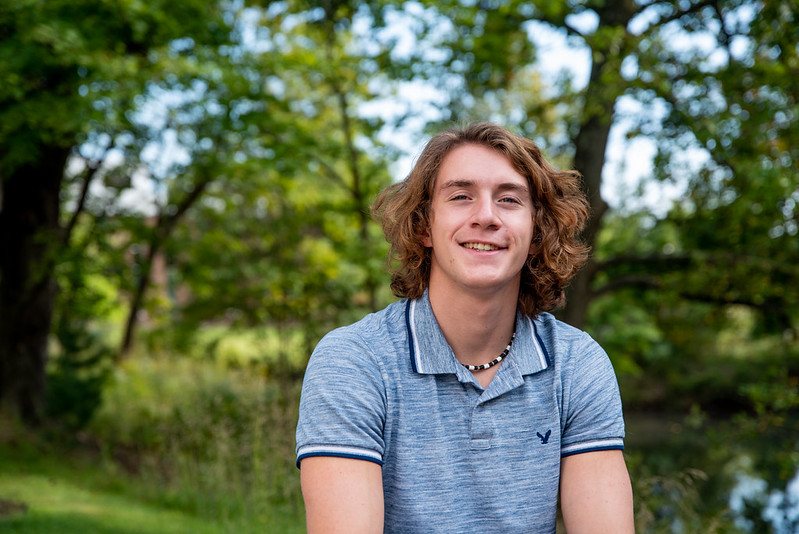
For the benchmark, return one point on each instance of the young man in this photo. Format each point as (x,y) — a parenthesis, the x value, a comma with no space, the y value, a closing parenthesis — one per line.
(466,407)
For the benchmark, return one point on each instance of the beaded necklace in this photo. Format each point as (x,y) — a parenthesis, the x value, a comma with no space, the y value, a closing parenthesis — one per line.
(493,362)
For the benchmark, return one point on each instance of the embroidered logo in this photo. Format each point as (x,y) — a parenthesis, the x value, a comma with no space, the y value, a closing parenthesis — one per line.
(545,438)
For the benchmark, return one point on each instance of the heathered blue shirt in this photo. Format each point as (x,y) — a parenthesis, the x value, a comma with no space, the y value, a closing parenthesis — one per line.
(457,457)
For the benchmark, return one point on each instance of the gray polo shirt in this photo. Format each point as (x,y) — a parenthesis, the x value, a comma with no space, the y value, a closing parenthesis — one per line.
(456,457)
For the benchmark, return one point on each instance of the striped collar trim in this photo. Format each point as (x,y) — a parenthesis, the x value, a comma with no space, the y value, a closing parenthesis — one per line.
(431,354)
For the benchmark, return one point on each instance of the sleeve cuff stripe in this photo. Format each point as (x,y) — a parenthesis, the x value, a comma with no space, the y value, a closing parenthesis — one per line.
(591,446)
(339,452)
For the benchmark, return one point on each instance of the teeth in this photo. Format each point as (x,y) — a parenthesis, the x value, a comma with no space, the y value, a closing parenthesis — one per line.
(480,246)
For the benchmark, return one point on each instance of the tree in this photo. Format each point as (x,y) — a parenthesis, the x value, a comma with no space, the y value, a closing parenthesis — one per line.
(259,123)
(225,116)
(304,250)
(703,74)
(68,68)
(739,221)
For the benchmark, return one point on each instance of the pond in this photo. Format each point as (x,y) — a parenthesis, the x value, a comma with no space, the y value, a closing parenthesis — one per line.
(777,508)
(701,473)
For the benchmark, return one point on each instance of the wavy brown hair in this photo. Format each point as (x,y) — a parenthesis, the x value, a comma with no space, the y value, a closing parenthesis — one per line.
(560,211)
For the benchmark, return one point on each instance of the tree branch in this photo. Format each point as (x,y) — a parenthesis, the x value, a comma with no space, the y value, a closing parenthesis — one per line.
(166,224)
(331,173)
(163,228)
(677,15)
(93,166)
(685,260)
(625,282)
(570,30)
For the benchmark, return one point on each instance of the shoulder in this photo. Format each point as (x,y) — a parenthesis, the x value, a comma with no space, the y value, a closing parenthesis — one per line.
(563,339)
(369,337)
(570,349)
(350,367)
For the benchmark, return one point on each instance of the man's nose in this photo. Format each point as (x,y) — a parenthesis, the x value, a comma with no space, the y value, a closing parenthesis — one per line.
(485,213)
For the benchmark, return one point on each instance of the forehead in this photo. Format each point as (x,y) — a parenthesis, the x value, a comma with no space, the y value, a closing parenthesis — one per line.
(478,165)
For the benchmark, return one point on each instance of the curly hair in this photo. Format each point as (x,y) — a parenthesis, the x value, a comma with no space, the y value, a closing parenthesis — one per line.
(560,211)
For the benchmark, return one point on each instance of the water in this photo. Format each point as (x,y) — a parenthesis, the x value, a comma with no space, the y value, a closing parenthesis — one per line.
(714,475)
(779,509)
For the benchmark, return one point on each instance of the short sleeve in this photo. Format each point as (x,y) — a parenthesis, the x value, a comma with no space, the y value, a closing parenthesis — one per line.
(343,401)
(592,411)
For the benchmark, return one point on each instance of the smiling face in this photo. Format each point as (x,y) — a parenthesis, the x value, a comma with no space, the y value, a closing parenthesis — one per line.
(481,224)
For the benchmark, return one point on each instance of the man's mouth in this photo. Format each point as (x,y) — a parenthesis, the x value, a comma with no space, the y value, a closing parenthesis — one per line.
(480,246)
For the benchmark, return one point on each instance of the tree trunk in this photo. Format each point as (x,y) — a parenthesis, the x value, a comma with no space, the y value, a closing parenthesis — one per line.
(590,146)
(164,227)
(137,300)
(29,242)
(589,159)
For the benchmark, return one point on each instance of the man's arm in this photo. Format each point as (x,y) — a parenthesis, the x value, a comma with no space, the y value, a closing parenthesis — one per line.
(595,493)
(342,495)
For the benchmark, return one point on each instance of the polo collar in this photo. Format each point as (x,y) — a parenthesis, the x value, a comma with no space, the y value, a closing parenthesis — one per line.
(431,354)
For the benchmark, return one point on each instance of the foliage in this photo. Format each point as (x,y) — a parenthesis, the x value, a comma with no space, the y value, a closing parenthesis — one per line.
(736,223)
(70,492)
(220,159)
(707,77)
(250,127)
(233,133)
(216,440)
(671,504)
(76,379)
(66,64)
(72,72)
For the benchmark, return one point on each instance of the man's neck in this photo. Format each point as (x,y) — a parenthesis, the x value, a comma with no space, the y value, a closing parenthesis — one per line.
(476,326)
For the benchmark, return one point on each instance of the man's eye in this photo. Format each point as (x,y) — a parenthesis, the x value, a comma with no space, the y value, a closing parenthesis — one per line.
(510,199)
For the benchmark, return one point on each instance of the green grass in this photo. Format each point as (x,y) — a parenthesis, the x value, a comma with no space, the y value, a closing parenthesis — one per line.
(58,505)
(69,495)
(178,445)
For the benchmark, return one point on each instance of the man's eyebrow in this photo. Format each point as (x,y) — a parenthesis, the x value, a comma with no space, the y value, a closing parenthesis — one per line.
(450,184)
(510,186)
(504,186)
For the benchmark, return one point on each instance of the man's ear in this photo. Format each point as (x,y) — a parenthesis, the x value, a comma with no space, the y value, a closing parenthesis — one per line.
(534,242)
(427,241)
(424,231)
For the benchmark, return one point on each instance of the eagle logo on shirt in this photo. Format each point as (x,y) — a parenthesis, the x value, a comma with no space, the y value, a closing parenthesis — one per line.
(545,438)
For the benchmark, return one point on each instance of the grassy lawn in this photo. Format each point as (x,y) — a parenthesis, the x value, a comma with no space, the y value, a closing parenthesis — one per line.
(71,496)
(58,505)
(178,446)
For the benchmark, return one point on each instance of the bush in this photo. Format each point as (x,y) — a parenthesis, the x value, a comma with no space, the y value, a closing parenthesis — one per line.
(76,376)
(213,440)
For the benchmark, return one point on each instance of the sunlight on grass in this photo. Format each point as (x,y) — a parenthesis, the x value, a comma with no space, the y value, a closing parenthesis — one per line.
(179,445)
(61,502)
(57,505)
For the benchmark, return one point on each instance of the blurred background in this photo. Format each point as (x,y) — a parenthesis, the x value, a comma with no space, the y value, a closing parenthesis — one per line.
(185,190)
